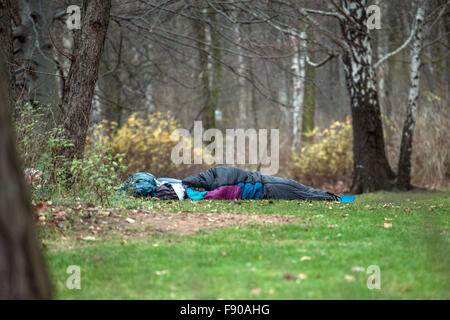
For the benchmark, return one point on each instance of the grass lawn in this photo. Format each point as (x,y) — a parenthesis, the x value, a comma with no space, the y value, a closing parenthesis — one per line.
(323,254)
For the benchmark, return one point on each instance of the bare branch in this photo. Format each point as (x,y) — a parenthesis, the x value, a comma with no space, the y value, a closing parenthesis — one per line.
(403,46)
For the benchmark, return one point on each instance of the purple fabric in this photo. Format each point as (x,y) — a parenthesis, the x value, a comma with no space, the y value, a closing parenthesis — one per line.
(224,192)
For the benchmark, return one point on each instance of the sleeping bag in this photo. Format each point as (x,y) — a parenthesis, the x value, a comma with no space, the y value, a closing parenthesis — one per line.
(250,185)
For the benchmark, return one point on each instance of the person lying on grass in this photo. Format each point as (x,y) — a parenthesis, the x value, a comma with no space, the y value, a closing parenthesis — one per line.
(223,183)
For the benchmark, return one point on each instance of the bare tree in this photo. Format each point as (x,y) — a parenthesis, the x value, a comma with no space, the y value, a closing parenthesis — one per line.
(418,35)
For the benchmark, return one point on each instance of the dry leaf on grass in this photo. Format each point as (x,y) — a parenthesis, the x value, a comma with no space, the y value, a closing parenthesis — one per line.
(358,269)
(256,291)
(162,272)
(302,276)
(288,276)
(305,258)
(349,278)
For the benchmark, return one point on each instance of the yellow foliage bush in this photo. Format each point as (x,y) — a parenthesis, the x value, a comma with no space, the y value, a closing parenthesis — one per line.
(146,143)
(327,161)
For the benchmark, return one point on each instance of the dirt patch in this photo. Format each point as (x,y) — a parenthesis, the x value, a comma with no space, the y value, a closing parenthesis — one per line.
(190,222)
(89,222)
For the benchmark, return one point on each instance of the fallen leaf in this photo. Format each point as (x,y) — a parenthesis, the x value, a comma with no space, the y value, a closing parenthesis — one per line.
(256,291)
(162,272)
(407,288)
(302,276)
(332,226)
(305,258)
(88,238)
(288,276)
(358,269)
(349,278)
(129,220)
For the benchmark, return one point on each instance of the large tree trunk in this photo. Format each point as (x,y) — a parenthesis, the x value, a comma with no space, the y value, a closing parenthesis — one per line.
(371,168)
(404,162)
(22,270)
(83,73)
(6,49)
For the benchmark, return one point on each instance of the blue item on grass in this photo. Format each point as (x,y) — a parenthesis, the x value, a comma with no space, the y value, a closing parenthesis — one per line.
(346,198)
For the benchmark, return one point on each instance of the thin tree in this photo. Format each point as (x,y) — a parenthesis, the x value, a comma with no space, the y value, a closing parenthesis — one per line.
(418,35)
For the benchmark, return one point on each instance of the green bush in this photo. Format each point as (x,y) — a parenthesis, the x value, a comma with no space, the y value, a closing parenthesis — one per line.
(327,161)
(93,178)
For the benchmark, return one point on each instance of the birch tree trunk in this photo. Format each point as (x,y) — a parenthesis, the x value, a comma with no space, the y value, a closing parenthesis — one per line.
(298,92)
(309,110)
(35,44)
(404,162)
(371,168)
(243,97)
(22,269)
(83,73)
(216,69)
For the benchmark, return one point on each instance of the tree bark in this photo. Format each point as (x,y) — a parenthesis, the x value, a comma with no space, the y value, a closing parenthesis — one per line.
(6,49)
(34,43)
(22,269)
(242,84)
(298,92)
(404,162)
(206,74)
(371,168)
(309,109)
(83,73)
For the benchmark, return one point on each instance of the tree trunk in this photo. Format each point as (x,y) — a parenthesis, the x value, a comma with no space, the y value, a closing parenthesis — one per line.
(404,162)
(204,34)
(309,111)
(39,67)
(6,49)
(83,73)
(371,168)
(298,92)
(22,269)
(216,76)
(243,96)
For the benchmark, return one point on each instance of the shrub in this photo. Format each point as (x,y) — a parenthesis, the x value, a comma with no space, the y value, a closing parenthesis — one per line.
(329,160)
(98,175)
(92,178)
(147,145)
